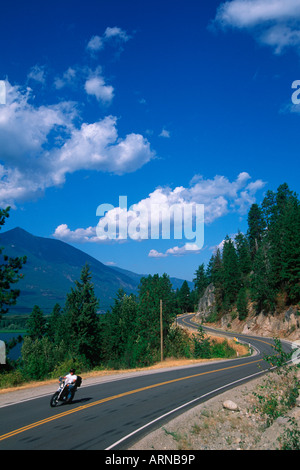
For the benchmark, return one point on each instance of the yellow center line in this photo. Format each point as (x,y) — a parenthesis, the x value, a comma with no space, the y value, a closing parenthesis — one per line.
(103,400)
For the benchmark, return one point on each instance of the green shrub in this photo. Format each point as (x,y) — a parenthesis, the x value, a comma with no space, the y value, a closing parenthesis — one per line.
(222,349)
(11,379)
(290,439)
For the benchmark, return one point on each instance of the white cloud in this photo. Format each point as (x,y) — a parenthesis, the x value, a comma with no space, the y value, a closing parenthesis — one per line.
(40,145)
(95,85)
(92,81)
(115,34)
(97,146)
(273,22)
(187,249)
(37,73)
(163,214)
(68,78)
(165,133)
(79,235)
(95,43)
(156,254)
(220,196)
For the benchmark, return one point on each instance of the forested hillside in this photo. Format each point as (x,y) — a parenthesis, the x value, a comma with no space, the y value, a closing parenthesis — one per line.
(262,265)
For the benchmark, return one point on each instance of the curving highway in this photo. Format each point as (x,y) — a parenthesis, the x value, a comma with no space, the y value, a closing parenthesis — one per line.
(113,414)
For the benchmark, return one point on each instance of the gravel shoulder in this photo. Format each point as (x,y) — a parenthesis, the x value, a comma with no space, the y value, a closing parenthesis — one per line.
(210,426)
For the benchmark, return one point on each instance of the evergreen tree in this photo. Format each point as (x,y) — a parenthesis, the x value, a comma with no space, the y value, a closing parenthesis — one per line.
(243,254)
(256,226)
(119,331)
(36,324)
(268,208)
(217,278)
(242,304)
(261,282)
(184,298)
(56,328)
(231,273)
(82,319)
(152,289)
(200,281)
(286,271)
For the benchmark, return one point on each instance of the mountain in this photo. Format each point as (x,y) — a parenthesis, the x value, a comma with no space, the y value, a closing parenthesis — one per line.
(176,283)
(52,268)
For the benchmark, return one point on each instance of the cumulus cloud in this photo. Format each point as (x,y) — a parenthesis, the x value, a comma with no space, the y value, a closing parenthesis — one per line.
(40,145)
(37,73)
(187,249)
(97,146)
(95,86)
(95,43)
(165,133)
(170,213)
(156,254)
(92,81)
(114,35)
(69,77)
(79,235)
(273,22)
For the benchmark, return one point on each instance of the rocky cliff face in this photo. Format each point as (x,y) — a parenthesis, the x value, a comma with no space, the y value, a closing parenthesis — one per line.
(206,303)
(285,324)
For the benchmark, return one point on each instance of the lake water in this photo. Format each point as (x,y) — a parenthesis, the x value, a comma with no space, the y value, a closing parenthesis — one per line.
(15,353)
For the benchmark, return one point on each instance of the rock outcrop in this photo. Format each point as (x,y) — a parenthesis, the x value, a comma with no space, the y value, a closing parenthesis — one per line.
(206,303)
(284,324)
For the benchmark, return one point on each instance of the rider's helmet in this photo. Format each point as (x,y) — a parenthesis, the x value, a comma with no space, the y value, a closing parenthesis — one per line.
(72,371)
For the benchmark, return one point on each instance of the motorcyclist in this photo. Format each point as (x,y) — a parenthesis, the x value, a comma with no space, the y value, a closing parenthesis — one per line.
(70,381)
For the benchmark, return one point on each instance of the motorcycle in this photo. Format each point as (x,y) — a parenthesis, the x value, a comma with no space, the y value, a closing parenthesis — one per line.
(61,395)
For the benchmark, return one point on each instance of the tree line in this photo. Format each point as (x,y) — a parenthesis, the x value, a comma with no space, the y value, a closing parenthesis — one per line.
(261,266)
(128,335)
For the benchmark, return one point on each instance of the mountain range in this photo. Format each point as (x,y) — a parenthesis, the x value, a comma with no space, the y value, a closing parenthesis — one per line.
(52,268)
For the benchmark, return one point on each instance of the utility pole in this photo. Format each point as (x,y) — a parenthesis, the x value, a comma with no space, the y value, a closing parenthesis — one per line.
(161,334)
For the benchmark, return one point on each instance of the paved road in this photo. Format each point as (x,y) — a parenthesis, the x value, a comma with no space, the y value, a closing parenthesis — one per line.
(114,414)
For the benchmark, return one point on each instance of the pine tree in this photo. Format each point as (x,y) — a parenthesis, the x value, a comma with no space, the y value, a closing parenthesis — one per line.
(231,273)
(55,327)
(268,208)
(184,297)
(243,254)
(9,273)
(36,324)
(152,289)
(200,281)
(289,273)
(262,289)
(82,319)
(119,331)
(242,304)
(256,226)
(217,278)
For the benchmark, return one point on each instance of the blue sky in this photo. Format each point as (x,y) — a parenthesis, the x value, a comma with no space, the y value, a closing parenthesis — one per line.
(173,101)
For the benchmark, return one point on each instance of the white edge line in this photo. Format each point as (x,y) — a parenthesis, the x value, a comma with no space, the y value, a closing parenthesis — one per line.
(182,406)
